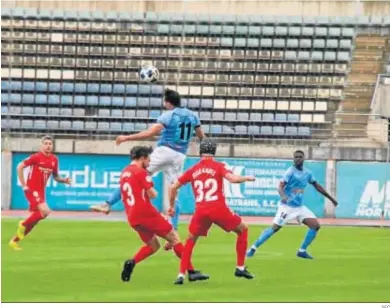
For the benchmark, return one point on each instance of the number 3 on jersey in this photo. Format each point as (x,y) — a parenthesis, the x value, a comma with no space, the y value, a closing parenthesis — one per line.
(130,201)
(205,191)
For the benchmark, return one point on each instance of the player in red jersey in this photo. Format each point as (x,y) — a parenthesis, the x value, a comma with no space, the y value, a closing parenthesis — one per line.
(42,165)
(136,191)
(206,178)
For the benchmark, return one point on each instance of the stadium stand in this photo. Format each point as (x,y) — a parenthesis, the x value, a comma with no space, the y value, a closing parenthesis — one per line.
(264,77)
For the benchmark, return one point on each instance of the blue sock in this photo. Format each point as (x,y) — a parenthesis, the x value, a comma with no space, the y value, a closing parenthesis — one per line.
(175,218)
(115,197)
(267,233)
(310,236)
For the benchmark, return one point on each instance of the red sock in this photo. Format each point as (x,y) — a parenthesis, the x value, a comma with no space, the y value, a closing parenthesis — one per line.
(143,253)
(34,218)
(185,253)
(241,247)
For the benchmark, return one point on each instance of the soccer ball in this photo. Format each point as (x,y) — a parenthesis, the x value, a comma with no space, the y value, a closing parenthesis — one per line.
(148,73)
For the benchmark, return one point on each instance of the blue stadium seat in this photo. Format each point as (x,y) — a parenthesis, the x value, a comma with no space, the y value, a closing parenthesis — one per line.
(5,85)
(193,103)
(293,117)
(79,100)
(242,116)
(52,124)
(27,86)
(104,101)
(54,87)
(103,126)
(253,130)
(241,130)
(304,131)
(140,126)
(117,113)
(5,98)
(53,111)
(230,116)
(218,116)
(118,101)
(143,102)
(15,98)
(40,124)
(27,110)
(80,88)
(27,124)
(65,125)
(280,117)
(106,88)
(268,117)
(255,117)
(131,89)
(40,99)
(154,114)
(66,111)
(66,100)
(291,131)
(116,126)
(206,103)
(156,102)
(227,41)
(157,89)
(4,110)
(78,125)
(67,87)
(130,102)
(93,88)
(28,98)
(128,127)
(119,88)
(206,128)
(40,111)
(278,131)
(205,115)
(54,99)
(184,102)
(216,129)
(41,86)
(142,114)
(93,100)
(266,130)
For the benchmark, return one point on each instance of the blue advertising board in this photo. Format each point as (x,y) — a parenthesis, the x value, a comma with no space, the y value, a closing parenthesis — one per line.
(363,190)
(259,198)
(94,178)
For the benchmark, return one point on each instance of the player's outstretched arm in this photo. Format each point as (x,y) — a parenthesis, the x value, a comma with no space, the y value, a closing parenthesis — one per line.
(233,178)
(200,133)
(323,192)
(172,197)
(146,134)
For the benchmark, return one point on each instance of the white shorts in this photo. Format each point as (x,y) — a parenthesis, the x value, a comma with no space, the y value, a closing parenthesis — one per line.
(167,160)
(287,213)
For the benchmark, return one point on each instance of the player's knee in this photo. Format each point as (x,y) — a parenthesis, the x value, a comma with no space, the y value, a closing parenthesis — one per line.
(155,244)
(276,228)
(241,228)
(45,212)
(316,227)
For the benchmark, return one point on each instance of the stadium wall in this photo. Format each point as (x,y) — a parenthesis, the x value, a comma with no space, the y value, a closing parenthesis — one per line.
(274,7)
(362,188)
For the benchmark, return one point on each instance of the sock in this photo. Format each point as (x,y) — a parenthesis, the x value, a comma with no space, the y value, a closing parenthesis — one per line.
(143,253)
(185,263)
(33,219)
(267,233)
(175,218)
(114,198)
(241,247)
(241,268)
(310,236)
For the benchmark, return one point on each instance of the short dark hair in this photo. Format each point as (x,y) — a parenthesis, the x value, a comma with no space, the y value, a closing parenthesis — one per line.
(207,147)
(172,97)
(47,137)
(140,151)
(299,151)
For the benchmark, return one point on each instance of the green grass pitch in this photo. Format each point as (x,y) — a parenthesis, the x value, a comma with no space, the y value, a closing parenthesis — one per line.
(81,261)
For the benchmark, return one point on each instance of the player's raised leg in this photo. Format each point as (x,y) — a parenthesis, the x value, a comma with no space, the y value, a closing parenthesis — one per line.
(25,226)
(309,220)
(241,246)
(106,206)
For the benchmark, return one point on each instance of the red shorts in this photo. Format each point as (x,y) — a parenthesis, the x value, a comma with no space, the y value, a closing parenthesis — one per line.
(34,199)
(222,216)
(150,225)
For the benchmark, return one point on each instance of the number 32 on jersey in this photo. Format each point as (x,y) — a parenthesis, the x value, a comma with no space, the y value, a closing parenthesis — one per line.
(205,191)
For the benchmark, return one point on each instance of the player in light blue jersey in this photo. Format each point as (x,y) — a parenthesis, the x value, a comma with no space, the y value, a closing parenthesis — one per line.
(177,127)
(291,189)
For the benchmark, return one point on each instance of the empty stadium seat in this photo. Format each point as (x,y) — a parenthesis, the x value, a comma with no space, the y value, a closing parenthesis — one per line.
(266,130)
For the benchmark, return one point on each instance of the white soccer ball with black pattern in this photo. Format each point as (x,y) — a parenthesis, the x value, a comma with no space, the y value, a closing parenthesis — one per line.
(148,74)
